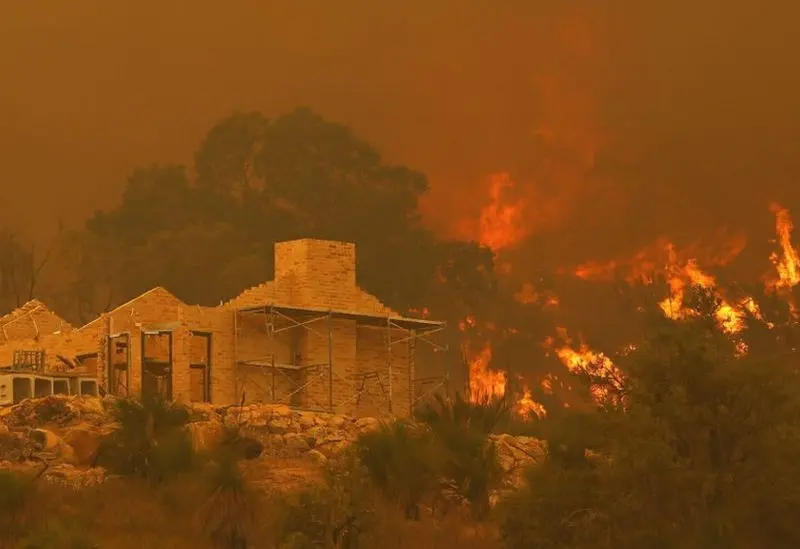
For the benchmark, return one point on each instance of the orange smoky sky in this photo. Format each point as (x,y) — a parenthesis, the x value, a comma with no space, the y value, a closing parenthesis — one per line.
(619,122)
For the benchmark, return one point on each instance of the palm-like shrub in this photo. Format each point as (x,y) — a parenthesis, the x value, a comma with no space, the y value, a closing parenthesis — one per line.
(151,440)
(402,461)
(462,428)
(228,513)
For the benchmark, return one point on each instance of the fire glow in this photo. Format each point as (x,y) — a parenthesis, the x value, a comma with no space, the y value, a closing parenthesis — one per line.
(500,228)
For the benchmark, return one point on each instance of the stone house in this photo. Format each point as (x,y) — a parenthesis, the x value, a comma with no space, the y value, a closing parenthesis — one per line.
(310,338)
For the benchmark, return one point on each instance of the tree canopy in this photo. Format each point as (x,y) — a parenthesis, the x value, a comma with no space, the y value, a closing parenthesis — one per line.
(700,451)
(207,231)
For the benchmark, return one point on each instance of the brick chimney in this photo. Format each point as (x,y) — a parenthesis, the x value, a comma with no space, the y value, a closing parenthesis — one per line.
(320,273)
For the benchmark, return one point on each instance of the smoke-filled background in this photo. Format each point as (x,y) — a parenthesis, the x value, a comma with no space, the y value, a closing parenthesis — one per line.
(612,123)
(620,120)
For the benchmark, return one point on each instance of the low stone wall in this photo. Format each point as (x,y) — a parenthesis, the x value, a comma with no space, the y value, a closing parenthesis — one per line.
(65,432)
(284,432)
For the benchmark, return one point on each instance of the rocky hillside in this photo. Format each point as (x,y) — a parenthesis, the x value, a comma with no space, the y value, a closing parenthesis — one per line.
(64,433)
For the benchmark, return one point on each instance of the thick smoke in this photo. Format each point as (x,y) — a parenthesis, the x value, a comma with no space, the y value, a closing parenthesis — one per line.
(619,121)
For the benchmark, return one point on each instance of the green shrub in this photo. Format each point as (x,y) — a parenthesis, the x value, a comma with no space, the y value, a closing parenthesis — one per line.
(462,428)
(403,463)
(151,440)
(341,513)
(228,514)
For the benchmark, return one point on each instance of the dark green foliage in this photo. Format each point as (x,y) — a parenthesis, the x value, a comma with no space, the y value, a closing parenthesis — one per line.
(701,452)
(449,447)
(446,417)
(341,513)
(259,181)
(151,440)
(461,429)
(228,513)
(306,520)
(402,462)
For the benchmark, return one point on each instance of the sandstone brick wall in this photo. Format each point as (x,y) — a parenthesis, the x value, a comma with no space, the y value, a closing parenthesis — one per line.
(69,344)
(339,351)
(321,275)
(374,361)
(265,293)
(254,343)
(324,273)
(309,274)
(31,320)
(316,274)
(154,308)
(159,310)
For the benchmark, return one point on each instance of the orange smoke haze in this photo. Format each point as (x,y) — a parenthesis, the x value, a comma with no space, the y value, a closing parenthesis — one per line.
(657,258)
(555,133)
(612,131)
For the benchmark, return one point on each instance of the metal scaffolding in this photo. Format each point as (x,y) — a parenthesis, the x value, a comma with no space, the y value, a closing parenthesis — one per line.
(300,376)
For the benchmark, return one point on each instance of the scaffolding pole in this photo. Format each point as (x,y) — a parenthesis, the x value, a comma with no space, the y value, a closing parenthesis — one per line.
(411,331)
(271,316)
(410,338)
(389,361)
(236,354)
(330,362)
(412,362)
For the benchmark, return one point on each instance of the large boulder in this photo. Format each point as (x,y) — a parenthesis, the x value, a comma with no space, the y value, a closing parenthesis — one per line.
(85,440)
(201,412)
(50,446)
(205,435)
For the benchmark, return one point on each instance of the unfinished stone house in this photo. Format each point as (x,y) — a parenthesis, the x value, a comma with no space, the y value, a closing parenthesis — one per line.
(310,338)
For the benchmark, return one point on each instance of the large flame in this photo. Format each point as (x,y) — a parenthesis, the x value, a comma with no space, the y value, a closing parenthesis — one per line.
(682,270)
(730,317)
(529,408)
(787,262)
(484,383)
(581,359)
(500,224)
(657,258)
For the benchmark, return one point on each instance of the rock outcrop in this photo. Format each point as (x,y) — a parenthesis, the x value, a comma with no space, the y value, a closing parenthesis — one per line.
(65,432)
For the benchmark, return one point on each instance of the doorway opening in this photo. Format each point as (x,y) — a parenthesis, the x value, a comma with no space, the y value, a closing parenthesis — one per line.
(119,362)
(157,365)
(200,367)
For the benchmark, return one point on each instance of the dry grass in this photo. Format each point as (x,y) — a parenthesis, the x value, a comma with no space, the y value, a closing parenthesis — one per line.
(283,475)
(133,514)
(453,531)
